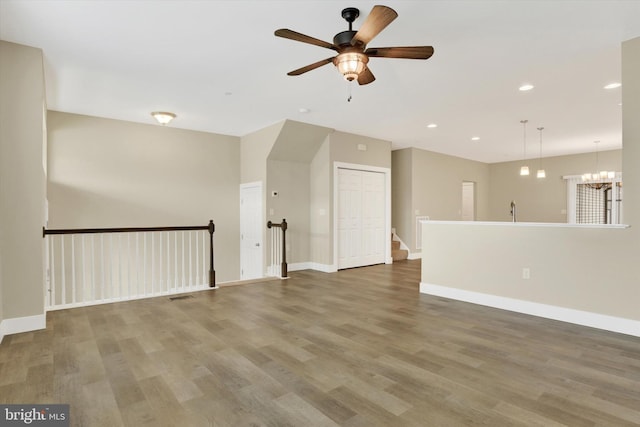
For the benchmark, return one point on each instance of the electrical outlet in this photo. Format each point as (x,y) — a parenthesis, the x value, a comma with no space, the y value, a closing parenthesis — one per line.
(526,273)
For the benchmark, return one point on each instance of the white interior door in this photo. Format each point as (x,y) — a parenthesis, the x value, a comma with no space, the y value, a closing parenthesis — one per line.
(251,227)
(468,201)
(361,218)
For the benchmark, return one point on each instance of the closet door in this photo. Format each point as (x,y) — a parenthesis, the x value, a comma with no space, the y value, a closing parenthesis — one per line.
(361,218)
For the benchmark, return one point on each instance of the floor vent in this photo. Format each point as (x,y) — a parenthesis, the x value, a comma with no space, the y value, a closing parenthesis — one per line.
(180,297)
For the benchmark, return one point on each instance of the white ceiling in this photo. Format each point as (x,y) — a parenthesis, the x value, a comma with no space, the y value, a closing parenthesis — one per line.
(218,66)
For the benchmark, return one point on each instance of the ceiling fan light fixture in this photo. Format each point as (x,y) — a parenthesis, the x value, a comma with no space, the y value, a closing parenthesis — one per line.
(351,64)
(163,117)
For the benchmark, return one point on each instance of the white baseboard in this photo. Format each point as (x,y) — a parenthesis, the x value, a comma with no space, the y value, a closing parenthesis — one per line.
(569,315)
(17,325)
(297,266)
(415,255)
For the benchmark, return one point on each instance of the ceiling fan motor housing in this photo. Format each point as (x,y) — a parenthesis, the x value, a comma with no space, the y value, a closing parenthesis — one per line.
(344,38)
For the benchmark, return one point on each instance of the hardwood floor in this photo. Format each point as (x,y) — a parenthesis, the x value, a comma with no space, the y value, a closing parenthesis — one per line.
(360,347)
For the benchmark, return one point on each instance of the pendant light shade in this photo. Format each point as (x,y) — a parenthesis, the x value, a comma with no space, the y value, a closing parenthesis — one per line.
(541,173)
(524,170)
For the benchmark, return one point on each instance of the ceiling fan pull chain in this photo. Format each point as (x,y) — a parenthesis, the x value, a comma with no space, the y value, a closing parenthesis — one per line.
(349,86)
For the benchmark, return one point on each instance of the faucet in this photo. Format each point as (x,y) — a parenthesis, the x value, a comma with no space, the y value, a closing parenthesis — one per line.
(513,211)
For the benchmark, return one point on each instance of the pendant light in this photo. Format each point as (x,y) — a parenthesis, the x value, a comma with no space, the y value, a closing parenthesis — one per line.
(524,170)
(541,173)
(599,175)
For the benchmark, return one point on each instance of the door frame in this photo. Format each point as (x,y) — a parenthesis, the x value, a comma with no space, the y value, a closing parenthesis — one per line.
(244,186)
(387,206)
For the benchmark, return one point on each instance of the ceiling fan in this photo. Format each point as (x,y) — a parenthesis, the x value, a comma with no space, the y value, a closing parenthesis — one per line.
(351,46)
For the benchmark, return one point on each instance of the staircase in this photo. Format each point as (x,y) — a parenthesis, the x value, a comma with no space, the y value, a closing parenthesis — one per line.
(398,254)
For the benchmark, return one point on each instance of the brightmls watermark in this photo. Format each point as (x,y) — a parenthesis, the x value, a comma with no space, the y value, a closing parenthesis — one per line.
(34,415)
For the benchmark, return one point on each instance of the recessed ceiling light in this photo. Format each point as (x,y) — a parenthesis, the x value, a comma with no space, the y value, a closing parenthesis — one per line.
(475,138)
(613,85)
(432,125)
(303,110)
(525,87)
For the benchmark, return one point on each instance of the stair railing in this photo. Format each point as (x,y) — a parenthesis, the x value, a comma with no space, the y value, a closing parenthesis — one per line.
(139,262)
(279,246)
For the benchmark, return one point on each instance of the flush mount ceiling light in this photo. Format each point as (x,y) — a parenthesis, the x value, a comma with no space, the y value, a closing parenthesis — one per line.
(475,138)
(432,125)
(524,170)
(613,85)
(525,87)
(541,173)
(163,117)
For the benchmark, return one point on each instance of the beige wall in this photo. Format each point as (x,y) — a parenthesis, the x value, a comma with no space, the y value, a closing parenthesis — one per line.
(320,190)
(344,148)
(402,211)
(22,189)
(631,130)
(291,181)
(434,184)
(254,151)
(111,173)
(591,270)
(541,200)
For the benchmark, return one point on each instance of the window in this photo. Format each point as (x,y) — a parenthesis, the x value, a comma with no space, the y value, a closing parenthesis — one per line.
(598,202)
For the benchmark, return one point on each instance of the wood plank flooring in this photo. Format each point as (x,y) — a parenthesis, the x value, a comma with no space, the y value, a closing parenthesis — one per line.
(360,347)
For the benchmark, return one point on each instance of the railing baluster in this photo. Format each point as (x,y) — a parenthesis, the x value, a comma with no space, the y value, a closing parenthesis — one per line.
(161,278)
(102,262)
(52,273)
(197,259)
(73,269)
(168,263)
(63,293)
(84,276)
(183,272)
(190,262)
(93,269)
(111,289)
(119,266)
(129,265)
(175,260)
(204,256)
(137,265)
(153,251)
(144,265)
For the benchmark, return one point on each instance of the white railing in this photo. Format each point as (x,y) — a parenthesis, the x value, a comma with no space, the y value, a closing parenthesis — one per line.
(95,267)
(277,245)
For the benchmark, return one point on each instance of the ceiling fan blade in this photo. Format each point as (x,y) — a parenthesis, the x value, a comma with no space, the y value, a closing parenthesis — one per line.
(366,77)
(407,52)
(378,19)
(310,67)
(299,37)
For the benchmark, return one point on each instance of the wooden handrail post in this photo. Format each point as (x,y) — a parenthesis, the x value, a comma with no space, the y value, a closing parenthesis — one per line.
(212,272)
(283,226)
